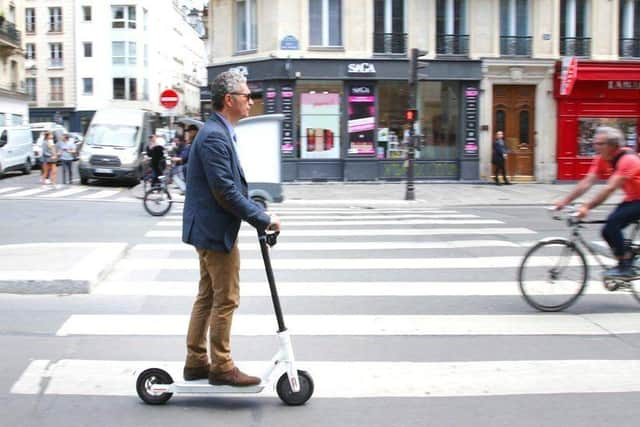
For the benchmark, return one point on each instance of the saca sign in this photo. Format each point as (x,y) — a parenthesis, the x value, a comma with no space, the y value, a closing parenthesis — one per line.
(361,68)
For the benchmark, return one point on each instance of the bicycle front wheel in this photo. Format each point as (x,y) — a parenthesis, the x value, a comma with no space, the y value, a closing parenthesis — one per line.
(553,274)
(157,201)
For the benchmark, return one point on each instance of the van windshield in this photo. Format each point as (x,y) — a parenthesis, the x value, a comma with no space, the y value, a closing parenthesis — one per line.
(112,135)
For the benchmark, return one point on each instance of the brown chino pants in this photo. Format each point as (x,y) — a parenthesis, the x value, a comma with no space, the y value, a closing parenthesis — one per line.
(218,297)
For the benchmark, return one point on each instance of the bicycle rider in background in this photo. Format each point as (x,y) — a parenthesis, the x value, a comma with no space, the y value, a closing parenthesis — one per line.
(624,165)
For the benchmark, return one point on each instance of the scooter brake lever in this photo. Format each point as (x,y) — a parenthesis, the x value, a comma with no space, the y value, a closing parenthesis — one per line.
(272,238)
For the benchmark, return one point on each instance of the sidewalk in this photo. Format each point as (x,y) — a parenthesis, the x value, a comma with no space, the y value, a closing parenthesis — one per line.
(56,268)
(430,194)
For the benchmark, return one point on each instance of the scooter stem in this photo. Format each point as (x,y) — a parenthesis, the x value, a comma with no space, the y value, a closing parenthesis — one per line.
(264,248)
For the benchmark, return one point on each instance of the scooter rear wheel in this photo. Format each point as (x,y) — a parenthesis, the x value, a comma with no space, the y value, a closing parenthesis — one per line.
(290,397)
(148,378)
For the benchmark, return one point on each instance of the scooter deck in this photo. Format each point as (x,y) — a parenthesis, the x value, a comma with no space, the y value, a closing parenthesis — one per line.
(203,387)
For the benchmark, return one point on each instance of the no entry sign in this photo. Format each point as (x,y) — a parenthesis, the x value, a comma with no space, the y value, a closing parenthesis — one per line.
(169,98)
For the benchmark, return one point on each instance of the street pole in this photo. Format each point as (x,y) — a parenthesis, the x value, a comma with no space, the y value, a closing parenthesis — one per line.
(411,117)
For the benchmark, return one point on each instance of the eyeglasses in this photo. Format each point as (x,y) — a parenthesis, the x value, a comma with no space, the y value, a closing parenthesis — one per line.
(599,143)
(247,96)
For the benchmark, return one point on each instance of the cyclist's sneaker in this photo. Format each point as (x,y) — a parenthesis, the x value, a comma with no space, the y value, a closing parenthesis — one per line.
(622,272)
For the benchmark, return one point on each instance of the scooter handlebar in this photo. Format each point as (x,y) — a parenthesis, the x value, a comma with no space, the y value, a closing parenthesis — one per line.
(270,237)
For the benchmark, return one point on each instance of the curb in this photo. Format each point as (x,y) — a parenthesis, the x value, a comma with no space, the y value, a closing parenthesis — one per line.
(81,279)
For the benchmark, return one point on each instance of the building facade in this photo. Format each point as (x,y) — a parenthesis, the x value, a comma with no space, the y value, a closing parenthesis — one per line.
(338,71)
(85,55)
(14,109)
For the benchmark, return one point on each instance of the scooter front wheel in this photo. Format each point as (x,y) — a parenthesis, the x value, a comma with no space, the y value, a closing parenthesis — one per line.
(147,379)
(290,397)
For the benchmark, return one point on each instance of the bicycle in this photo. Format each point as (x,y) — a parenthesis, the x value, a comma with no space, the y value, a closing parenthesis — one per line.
(157,200)
(554,272)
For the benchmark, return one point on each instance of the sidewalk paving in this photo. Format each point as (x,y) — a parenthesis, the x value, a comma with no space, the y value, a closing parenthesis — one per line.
(430,194)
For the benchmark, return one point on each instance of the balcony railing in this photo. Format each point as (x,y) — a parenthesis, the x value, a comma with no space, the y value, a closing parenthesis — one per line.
(515,45)
(575,46)
(629,48)
(390,43)
(56,62)
(452,44)
(9,34)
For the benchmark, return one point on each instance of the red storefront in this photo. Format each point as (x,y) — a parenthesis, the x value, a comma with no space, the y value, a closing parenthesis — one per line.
(605,93)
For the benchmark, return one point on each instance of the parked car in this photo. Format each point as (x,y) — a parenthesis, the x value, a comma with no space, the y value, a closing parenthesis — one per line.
(16,149)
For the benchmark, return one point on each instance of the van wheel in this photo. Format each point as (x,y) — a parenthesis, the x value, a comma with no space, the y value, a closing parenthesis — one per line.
(26,169)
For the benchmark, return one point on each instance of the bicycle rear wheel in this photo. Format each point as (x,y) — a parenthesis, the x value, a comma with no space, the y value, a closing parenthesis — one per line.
(553,274)
(157,201)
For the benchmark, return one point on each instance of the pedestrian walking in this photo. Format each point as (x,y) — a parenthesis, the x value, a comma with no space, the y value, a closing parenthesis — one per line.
(50,159)
(499,157)
(67,149)
(215,204)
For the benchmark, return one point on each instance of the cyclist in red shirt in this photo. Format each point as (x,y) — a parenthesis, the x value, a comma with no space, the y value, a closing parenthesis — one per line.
(624,165)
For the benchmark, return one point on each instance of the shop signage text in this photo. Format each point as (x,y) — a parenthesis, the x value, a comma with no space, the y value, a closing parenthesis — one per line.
(361,68)
(623,84)
(361,90)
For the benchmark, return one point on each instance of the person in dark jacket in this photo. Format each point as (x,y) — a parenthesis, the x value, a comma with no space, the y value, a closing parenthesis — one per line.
(216,202)
(499,157)
(156,152)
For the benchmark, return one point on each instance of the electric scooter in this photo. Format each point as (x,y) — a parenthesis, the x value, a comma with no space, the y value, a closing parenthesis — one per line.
(294,387)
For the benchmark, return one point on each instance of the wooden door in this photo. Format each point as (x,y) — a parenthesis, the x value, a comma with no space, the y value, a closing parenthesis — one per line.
(514,114)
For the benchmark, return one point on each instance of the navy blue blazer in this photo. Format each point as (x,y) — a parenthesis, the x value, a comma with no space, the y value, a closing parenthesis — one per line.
(217,199)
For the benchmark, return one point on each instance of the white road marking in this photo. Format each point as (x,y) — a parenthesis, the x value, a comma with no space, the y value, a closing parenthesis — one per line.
(31,192)
(360,379)
(367,222)
(101,194)
(369,232)
(348,325)
(67,192)
(9,189)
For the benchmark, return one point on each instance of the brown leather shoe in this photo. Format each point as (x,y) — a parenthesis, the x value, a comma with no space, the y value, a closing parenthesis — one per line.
(233,377)
(197,373)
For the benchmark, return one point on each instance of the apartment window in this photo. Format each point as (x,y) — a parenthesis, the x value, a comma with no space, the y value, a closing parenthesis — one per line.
(388,21)
(123,53)
(55,19)
(30,20)
(325,23)
(87,86)
(30,51)
(31,88)
(88,49)
(574,28)
(145,90)
(630,28)
(12,15)
(514,28)
(125,88)
(56,93)
(86,13)
(55,55)
(246,26)
(451,27)
(16,119)
(145,19)
(146,55)
(123,17)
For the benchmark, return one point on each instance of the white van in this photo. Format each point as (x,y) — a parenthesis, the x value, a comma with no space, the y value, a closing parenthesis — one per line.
(37,131)
(16,149)
(114,145)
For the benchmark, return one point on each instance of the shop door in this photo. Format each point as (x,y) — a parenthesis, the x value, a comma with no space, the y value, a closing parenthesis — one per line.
(513,113)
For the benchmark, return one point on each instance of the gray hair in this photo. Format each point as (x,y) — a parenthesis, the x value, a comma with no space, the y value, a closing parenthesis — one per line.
(613,136)
(226,82)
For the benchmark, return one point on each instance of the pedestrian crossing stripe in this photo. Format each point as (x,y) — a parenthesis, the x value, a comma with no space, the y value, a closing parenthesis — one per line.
(341,289)
(9,189)
(412,232)
(30,192)
(495,262)
(339,246)
(364,222)
(364,325)
(178,218)
(50,192)
(359,379)
(66,192)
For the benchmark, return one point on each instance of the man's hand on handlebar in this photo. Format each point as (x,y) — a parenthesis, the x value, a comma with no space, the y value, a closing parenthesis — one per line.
(274,225)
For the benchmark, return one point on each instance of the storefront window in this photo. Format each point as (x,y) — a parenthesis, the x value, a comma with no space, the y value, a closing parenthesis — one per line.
(587,128)
(439,120)
(319,119)
(392,103)
(362,119)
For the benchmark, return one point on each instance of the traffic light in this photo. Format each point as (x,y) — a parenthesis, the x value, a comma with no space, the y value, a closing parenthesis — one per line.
(414,64)
(411,115)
